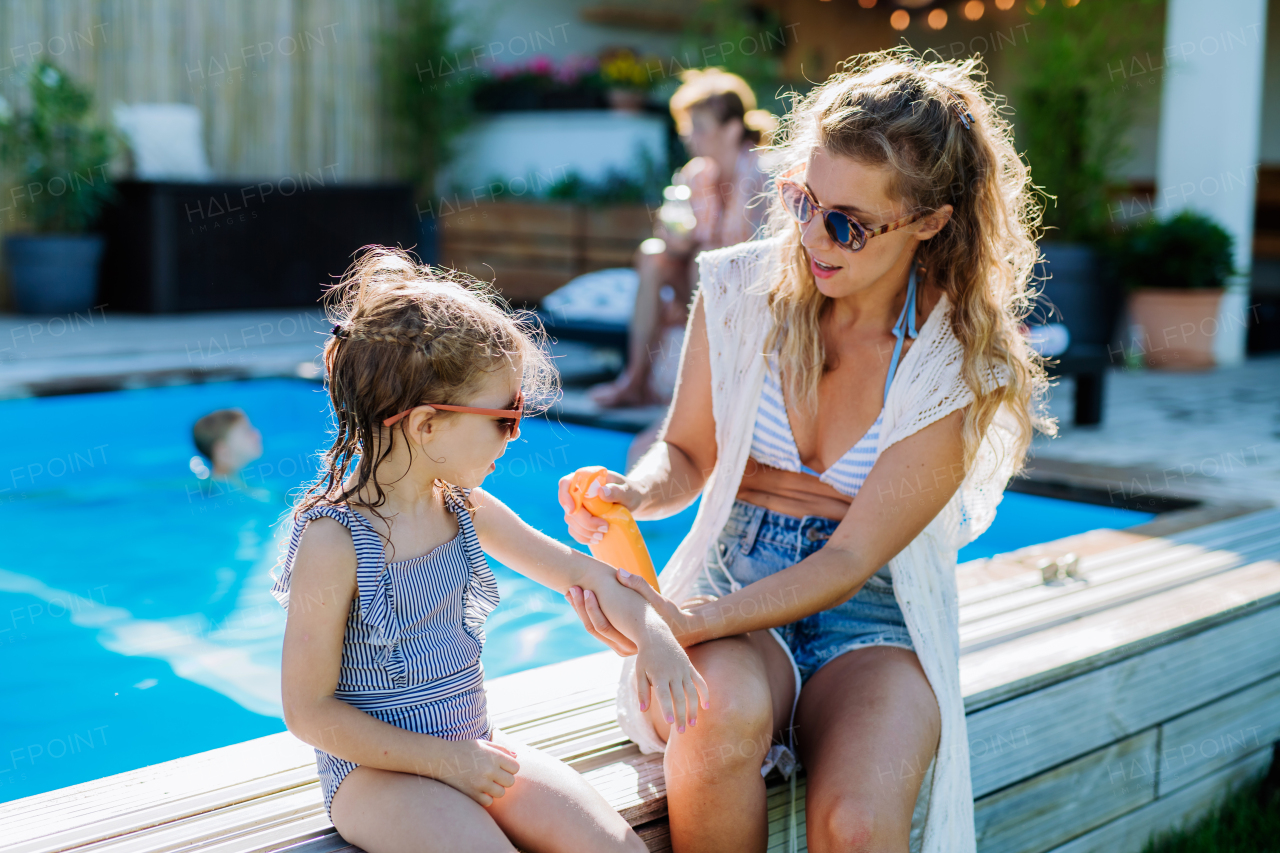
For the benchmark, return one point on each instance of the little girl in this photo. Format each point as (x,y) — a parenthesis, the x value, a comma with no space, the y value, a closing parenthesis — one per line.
(390,589)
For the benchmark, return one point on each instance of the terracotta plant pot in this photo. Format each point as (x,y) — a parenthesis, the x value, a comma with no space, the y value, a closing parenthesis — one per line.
(626,100)
(1178,327)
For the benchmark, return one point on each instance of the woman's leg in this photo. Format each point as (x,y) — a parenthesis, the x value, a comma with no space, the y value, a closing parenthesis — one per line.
(867,726)
(715,793)
(549,809)
(631,386)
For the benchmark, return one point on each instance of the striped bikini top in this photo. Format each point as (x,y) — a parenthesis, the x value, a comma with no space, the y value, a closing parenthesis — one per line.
(773,443)
(415,629)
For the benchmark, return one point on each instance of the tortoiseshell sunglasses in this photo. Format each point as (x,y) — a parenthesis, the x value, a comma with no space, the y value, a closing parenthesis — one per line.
(847,232)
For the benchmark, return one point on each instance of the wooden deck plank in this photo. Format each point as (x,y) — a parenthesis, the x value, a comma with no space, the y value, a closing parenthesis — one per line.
(1216,735)
(1150,567)
(1004,671)
(1014,739)
(1128,833)
(290,815)
(121,823)
(1049,809)
(182,786)
(1228,534)
(567,710)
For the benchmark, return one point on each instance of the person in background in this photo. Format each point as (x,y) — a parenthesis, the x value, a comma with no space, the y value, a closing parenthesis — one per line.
(227,441)
(708,207)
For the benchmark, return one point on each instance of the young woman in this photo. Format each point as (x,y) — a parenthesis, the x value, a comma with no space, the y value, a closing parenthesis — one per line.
(388,590)
(716,115)
(854,394)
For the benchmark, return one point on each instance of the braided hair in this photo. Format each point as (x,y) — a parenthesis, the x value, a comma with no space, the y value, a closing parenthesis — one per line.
(404,334)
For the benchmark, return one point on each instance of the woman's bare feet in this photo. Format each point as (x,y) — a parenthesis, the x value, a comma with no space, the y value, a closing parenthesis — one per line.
(623,391)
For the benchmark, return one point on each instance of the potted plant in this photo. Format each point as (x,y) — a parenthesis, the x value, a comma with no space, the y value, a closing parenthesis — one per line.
(1175,271)
(627,78)
(541,84)
(429,99)
(1072,115)
(55,155)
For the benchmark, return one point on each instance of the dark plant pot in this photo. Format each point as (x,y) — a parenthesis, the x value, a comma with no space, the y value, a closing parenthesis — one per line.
(428,250)
(53,273)
(1076,294)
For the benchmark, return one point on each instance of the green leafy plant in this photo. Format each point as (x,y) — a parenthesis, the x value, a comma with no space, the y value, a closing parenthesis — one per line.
(428,91)
(1082,72)
(1189,251)
(55,154)
(739,36)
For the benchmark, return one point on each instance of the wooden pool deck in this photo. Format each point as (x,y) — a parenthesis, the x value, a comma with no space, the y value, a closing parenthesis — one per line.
(1118,699)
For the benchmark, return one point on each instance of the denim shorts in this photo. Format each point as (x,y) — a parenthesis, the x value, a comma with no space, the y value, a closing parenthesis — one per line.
(756,542)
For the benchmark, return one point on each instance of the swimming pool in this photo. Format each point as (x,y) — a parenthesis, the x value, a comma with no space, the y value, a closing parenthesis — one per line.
(136,623)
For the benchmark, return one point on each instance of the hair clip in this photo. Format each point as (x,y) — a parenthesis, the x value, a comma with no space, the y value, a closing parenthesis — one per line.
(957,103)
(339,332)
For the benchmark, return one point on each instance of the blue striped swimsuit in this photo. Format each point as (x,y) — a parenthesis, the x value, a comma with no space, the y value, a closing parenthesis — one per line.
(411,652)
(773,443)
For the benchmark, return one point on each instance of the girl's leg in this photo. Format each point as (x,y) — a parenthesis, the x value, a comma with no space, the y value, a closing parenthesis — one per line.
(552,809)
(381,811)
(715,793)
(868,726)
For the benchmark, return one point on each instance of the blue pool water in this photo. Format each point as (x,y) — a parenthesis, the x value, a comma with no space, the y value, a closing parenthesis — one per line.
(136,623)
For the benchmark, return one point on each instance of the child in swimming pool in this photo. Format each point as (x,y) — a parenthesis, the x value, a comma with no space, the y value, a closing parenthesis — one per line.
(387,587)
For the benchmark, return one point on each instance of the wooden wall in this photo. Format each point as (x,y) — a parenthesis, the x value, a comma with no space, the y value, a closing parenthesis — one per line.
(285,86)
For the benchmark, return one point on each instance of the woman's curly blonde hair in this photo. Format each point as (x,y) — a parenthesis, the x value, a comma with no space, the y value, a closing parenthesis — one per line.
(404,334)
(890,108)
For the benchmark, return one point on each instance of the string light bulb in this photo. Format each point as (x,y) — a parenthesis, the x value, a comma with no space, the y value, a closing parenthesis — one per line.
(900,19)
(973,9)
(937,19)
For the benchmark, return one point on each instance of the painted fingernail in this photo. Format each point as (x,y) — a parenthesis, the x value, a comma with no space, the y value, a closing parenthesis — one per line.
(670,718)
(681,728)
(644,706)
(604,528)
(693,721)
(596,537)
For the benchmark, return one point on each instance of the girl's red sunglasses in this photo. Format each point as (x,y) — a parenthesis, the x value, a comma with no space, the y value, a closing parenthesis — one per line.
(508,419)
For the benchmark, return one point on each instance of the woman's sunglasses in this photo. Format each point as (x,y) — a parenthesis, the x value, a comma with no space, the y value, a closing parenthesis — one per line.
(508,419)
(847,232)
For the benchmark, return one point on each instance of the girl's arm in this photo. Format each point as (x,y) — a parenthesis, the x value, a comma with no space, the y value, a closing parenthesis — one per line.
(663,664)
(322,587)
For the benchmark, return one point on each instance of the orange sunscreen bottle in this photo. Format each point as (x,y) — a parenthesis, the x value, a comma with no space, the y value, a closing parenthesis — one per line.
(622,547)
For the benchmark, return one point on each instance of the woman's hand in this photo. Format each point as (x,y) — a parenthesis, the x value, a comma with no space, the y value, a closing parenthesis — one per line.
(585,527)
(681,622)
(481,769)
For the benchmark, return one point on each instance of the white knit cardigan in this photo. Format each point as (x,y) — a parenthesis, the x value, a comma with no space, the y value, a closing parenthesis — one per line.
(927,386)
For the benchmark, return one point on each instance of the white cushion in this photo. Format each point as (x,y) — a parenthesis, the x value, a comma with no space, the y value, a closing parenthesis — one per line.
(167,141)
(605,296)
